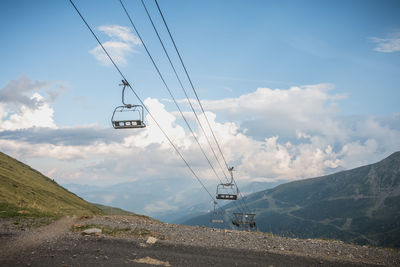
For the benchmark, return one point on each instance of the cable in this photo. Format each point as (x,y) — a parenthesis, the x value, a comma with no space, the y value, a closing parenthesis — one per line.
(168,89)
(197,97)
(137,96)
(183,89)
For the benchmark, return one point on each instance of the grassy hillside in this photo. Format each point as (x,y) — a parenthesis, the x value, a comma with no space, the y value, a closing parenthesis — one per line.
(361,205)
(26,192)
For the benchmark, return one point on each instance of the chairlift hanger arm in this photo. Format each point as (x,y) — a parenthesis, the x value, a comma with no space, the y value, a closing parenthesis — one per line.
(125,84)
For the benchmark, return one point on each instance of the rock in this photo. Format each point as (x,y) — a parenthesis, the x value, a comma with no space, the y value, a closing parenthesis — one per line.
(78,225)
(92,231)
(151,240)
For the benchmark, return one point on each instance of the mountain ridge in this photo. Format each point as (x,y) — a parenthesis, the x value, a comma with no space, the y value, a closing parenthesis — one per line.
(361,205)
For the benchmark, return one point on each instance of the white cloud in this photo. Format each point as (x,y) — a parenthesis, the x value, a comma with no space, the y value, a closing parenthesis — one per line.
(119,47)
(387,45)
(22,107)
(267,112)
(26,117)
(120,33)
(305,137)
(17,92)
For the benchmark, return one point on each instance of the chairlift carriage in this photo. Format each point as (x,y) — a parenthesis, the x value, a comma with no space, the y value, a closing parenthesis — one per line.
(226,187)
(122,115)
(245,221)
(217,216)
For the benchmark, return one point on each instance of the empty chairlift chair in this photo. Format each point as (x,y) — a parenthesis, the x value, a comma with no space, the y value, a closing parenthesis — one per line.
(127,116)
(223,189)
(217,216)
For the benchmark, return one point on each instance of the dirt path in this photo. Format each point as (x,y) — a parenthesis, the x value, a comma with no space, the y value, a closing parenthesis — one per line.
(35,237)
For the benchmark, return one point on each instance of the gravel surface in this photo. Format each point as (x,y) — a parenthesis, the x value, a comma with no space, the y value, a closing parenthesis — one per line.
(255,241)
(199,243)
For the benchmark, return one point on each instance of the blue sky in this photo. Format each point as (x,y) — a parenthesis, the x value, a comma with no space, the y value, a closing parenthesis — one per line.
(288,84)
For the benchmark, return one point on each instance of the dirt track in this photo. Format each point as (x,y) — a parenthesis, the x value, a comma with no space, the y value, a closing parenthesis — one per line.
(23,240)
(56,245)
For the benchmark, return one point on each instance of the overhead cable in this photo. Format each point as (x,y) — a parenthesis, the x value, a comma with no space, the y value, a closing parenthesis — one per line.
(187,97)
(140,100)
(183,89)
(168,89)
(194,90)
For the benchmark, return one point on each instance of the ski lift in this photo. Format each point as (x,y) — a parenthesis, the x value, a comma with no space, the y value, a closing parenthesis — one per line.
(226,187)
(244,220)
(122,115)
(217,216)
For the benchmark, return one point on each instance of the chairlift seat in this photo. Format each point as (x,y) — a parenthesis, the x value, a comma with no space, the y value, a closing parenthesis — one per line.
(227,196)
(127,124)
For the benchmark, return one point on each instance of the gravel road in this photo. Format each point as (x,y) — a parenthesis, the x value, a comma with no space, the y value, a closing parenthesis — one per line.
(124,244)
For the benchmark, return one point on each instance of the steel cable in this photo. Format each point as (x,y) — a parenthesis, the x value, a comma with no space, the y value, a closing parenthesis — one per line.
(169,90)
(197,97)
(140,100)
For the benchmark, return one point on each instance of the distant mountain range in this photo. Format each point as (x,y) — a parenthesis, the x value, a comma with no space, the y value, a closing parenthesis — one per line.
(157,198)
(361,206)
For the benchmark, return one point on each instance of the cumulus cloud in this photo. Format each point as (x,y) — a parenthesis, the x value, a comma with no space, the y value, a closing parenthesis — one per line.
(24,104)
(387,45)
(17,92)
(122,44)
(269,112)
(25,117)
(269,134)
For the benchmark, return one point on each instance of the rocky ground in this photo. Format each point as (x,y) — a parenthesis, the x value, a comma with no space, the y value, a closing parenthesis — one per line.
(138,240)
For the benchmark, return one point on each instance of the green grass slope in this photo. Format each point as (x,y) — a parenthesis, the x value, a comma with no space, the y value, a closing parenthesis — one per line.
(26,192)
(361,206)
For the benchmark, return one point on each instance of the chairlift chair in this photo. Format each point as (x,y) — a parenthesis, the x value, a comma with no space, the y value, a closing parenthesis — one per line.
(217,216)
(230,185)
(122,115)
(244,220)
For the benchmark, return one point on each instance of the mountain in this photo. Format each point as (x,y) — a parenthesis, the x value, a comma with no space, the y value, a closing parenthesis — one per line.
(153,197)
(26,192)
(157,197)
(361,206)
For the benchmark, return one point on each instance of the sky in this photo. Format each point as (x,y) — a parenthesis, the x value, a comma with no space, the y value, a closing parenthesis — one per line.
(292,89)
